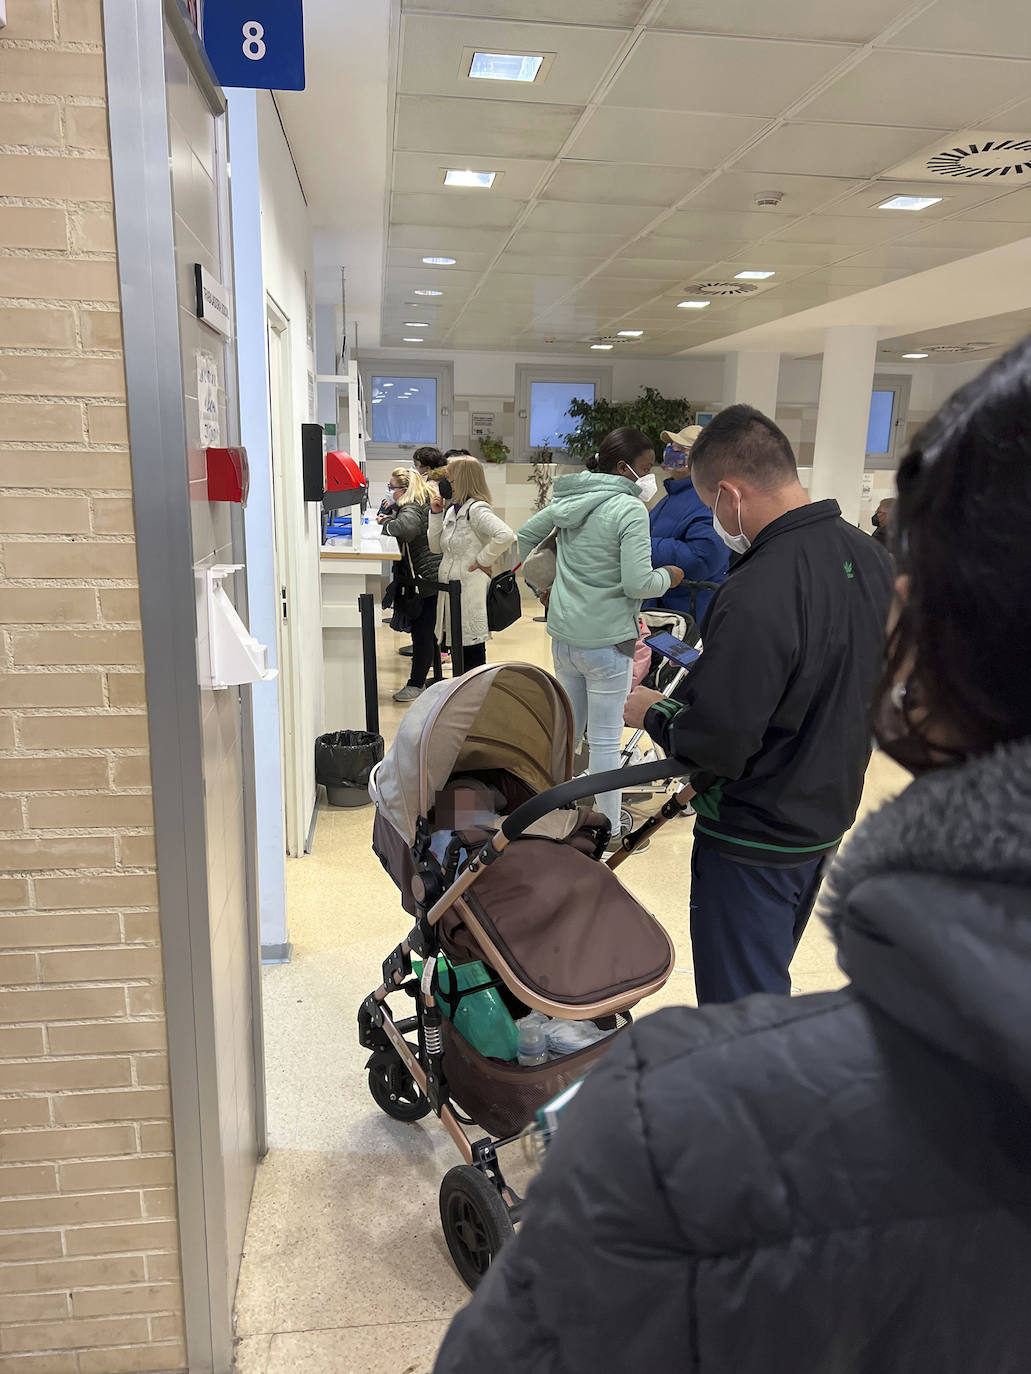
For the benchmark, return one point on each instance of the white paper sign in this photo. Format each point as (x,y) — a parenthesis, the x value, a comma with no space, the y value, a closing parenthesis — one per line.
(207,401)
(212,302)
(867,485)
(483,423)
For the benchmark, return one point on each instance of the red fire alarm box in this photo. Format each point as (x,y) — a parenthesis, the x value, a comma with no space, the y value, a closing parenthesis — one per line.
(229,477)
(346,484)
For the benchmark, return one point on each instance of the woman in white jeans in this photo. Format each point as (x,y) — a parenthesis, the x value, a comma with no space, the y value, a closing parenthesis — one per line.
(604,572)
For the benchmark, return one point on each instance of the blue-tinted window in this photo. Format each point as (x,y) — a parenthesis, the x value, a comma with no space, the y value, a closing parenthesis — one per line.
(549,410)
(403,410)
(878,434)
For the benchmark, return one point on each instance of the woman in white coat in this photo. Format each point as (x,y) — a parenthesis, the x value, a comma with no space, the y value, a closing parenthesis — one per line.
(469,537)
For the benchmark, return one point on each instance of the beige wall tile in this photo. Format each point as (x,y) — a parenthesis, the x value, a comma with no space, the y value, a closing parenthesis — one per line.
(133,771)
(83,732)
(41,71)
(146,1000)
(101,965)
(97,471)
(72,1334)
(69,1210)
(38,931)
(10,819)
(101,329)
(55,178)
(76,646)
(140,1297)
(51,689)
(20,1042)
(167,1328)
(103,1174)
(15,969)
(110,890)
(161,1267)
(79,23)
(113,515)
(28,328)
(137,851)
(23,226)
(152,1071)
(56,1075)
(21,1111)
(31,19)
(34,126)
(159,1202)
(93,232)
(86,126)
(107,424)
(58,279)
(38,421)
(33,1307)
(41,514)
(80,851)
(61,1004)
(21,376)
(48,606)
(133,1361)
(156,1136)
(90,812)
(46,775)
(127,689)
(30,1245)
(14,894)
(77,1143)
(145,1235)
(108,1037)
(65,1274)
(90,561)
(120,604)
(25,1179)
(140,927)
(6,740)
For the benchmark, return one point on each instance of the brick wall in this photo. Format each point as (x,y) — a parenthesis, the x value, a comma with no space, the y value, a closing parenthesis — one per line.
(89,1259)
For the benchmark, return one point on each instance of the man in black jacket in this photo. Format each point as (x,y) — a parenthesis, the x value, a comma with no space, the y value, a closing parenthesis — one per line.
(775,713)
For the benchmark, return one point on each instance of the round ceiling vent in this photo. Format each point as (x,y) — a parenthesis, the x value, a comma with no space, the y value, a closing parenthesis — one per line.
(609,339)
(957,348)
(722,288)
(980,159)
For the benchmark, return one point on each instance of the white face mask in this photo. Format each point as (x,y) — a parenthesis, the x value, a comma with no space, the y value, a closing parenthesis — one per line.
(647,486)
(740,542)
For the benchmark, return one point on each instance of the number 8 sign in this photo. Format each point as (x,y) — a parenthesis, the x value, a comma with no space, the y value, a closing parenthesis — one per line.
(257,44)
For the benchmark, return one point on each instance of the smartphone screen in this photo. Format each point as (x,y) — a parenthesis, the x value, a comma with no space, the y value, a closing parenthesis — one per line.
(674,649)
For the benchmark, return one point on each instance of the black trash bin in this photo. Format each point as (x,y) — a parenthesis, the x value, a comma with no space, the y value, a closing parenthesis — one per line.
(343,762)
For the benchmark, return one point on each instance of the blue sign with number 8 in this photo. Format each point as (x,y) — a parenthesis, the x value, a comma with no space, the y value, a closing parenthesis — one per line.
(257,44)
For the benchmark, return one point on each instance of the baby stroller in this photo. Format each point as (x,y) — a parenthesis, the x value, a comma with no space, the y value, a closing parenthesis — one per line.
(555,928)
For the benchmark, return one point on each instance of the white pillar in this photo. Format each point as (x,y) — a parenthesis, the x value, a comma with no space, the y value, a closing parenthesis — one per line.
(846,385)
(751,378)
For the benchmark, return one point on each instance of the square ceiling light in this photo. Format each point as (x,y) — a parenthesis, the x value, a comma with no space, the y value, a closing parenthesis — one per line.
(412,339)
(454,176)
(505,66)
(601,348)
(440,262)
(909,202)
(914,355)
(750,275)
(425,291)
(692,305)
(630,333)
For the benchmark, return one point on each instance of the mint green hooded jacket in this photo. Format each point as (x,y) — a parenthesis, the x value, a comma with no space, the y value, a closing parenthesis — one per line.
(604,559)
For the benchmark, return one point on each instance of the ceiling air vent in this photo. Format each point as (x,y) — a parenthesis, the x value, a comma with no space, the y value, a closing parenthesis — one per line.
(958,348)
(971,155)
(722,288)
(609,339)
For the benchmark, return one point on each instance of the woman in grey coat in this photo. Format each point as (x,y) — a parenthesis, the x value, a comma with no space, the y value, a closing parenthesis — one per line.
(838,1183)
(408,523)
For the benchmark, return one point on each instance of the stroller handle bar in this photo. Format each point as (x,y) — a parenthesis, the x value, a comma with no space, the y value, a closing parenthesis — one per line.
(588,786)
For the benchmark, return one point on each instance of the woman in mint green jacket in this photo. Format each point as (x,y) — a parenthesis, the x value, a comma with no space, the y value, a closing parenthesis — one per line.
(604,572)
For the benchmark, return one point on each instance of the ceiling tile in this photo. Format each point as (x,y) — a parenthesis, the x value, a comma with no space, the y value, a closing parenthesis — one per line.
(940,90)
(1014,207)
(735,190)
(834,19)
(904,254)
(846,150)
(565,217)
(618,12)
(727,226)
(547,242)
(659,271)
(850,229)
(423,173)
(859,278)
(485,208)
(482,127)
(778,254)
(433,241)
(957,26)
(954,196)
(756,260)
(742,76)
(620,184)
(970,234)
(665,139)
(433,47)
(573,268)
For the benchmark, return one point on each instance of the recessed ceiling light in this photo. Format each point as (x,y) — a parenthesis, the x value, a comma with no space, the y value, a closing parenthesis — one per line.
(386,384)
(749,275)
(601,348)
(505,66)
(909,202)
(630,333)
(413,340)
(453,176)
(440,262)
(425,291)
(416,324)
(692,305)
(914,355)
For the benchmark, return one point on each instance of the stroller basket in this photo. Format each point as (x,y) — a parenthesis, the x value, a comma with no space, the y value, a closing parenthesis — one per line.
(503,1098)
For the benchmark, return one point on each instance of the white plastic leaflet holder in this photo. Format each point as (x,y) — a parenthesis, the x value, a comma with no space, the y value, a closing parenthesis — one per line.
(233,656)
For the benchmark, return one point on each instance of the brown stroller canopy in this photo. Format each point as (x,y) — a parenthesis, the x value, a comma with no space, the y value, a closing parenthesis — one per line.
(511,716)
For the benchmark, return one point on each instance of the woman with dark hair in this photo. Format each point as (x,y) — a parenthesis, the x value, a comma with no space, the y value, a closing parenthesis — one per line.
(838,1183)
(604,572)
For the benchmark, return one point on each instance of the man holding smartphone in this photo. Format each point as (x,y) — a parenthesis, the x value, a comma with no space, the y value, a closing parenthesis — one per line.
(775,713)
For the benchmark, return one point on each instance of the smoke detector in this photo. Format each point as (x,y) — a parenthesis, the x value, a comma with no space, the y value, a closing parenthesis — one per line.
(768,200)
(722,288)
(971,155)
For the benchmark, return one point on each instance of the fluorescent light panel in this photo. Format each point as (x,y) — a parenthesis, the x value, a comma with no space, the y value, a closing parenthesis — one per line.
(909,202)
(630,333)
(454,177)
(692,305)
(425,291)
(505,66)
(750,275)
(416,324)
(440,262)
(914,355)
(601,348)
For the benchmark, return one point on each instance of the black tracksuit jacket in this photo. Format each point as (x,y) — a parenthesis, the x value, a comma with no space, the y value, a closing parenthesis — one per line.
(775,714)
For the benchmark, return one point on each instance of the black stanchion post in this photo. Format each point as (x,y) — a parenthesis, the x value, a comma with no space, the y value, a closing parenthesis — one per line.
(454,591)
(367,611)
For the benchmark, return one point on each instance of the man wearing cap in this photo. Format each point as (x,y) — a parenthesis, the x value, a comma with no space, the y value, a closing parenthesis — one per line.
(682,532)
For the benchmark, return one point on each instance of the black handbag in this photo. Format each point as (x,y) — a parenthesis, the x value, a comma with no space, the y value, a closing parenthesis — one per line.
(407,600)
(504,605)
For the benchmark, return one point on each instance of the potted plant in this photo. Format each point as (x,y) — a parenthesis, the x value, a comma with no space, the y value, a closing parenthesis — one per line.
(651,412)
(493,449)
(542,474)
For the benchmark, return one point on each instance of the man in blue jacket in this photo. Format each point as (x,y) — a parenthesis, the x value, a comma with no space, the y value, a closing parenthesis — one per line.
(682,533)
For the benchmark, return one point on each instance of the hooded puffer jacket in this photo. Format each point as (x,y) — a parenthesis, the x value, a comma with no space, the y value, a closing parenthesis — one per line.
(410,527)
(832,1184)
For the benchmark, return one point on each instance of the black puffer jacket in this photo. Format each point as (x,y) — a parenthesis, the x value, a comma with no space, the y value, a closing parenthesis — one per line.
(834,1184)
(409,528)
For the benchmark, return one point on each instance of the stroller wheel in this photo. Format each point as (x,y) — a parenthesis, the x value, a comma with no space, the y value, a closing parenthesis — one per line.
(475,1219)
(393,1088)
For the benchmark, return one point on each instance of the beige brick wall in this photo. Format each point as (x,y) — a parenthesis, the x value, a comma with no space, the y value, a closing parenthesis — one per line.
(89,1256)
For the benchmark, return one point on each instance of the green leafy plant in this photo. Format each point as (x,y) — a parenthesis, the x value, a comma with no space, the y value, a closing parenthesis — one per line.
(493,449)
(651,412)
(542,475)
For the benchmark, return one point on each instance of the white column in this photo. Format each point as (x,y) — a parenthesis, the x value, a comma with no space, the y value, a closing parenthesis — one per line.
(846,384)
(751,378)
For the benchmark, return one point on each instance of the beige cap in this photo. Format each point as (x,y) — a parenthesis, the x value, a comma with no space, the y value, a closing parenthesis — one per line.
(685,438)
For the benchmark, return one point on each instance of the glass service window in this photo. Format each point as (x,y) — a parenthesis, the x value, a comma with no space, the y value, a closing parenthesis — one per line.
(543,397)
(549,410)
(403,410)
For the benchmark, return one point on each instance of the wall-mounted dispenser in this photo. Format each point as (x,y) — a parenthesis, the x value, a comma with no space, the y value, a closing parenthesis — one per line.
(313,464)
(232,655)
(229,475)
(346,484)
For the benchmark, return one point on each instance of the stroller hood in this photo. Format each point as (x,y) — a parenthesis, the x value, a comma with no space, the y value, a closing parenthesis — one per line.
(510,716)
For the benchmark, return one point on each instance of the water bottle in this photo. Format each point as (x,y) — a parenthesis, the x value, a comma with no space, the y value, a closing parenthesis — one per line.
(533,1045)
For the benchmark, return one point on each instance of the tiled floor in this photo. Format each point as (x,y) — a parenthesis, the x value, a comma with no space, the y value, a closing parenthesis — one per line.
(346,1270)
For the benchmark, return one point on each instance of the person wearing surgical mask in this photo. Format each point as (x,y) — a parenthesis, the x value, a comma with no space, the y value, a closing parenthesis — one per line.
(604,572)
(774,716)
